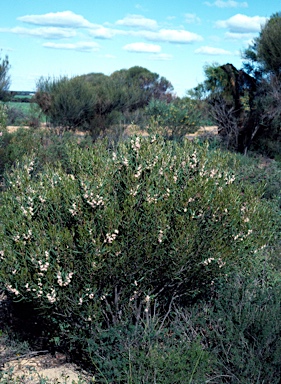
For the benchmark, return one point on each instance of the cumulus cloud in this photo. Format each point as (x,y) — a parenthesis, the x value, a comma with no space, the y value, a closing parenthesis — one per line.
(142,48)
(79,46)
(43,32)
(172,36)
(227,4)
(138,21)
(242,24)
(59,19)
(212,51)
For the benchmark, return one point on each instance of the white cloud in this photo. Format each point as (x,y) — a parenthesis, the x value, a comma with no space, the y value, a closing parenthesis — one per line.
(206,50)
(80,46)
(105,33)
(242,24)
(227,4)
(142,48)
(191,18)
(172,36)
(43,32)
(138,21)
(59,19)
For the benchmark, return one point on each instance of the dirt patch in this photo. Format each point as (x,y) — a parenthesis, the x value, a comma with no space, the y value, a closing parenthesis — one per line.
(133,129)
(55,369)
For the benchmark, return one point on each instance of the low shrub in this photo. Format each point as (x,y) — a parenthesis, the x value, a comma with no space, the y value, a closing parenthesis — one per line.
(114,235)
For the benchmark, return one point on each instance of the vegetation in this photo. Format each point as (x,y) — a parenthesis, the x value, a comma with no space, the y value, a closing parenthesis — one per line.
(154,258)
(4,77)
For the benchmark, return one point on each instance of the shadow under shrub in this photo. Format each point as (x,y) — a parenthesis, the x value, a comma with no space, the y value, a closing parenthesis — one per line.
(153,224)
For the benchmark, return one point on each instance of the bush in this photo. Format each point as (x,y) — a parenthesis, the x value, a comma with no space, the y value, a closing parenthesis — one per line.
(173,120)
(68,103)
(241,326)
(45,145)
(122,233)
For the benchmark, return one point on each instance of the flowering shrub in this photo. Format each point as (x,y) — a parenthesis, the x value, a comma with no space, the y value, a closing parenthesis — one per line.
(124,232)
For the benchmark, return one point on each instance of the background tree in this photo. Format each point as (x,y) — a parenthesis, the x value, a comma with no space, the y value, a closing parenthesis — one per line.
(68,103)
(263,61)
(5,80)
(230,94)
(95,101)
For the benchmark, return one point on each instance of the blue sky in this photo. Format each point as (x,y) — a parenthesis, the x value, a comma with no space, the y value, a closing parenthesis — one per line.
(175,38)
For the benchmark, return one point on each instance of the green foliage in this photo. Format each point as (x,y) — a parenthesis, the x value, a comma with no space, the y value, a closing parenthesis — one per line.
(96,101)
(4,77)
(153,224)
(268,45)
(148,352)
(112,248)
(45,145)
(173,120)
(3,117)
(67,102)
(241,326)
(230,94)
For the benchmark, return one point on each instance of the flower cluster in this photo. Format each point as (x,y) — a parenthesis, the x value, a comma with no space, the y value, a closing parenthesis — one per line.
(52,296)
(136,144)
(28,211)
(219,261)
(67,279)
(92,199)
(109,238)
(73,210)
(12,290)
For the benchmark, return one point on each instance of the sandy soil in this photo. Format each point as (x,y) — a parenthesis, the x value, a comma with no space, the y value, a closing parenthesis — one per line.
(56,369)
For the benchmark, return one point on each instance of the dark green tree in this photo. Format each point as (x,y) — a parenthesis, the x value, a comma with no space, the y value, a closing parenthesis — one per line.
(230,95)
(263,61)
(68,103)
(264,55)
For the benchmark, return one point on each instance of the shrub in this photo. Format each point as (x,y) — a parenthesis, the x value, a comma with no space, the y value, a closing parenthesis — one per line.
(173,120)
(45,145)
(241,326)
(150,225)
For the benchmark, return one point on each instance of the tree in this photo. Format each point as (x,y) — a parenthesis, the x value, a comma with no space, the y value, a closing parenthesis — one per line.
(230,95)
(67,102)
(5,80)
(263,61)
(266,48)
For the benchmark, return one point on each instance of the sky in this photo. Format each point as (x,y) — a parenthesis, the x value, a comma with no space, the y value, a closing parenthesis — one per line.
(175,38)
